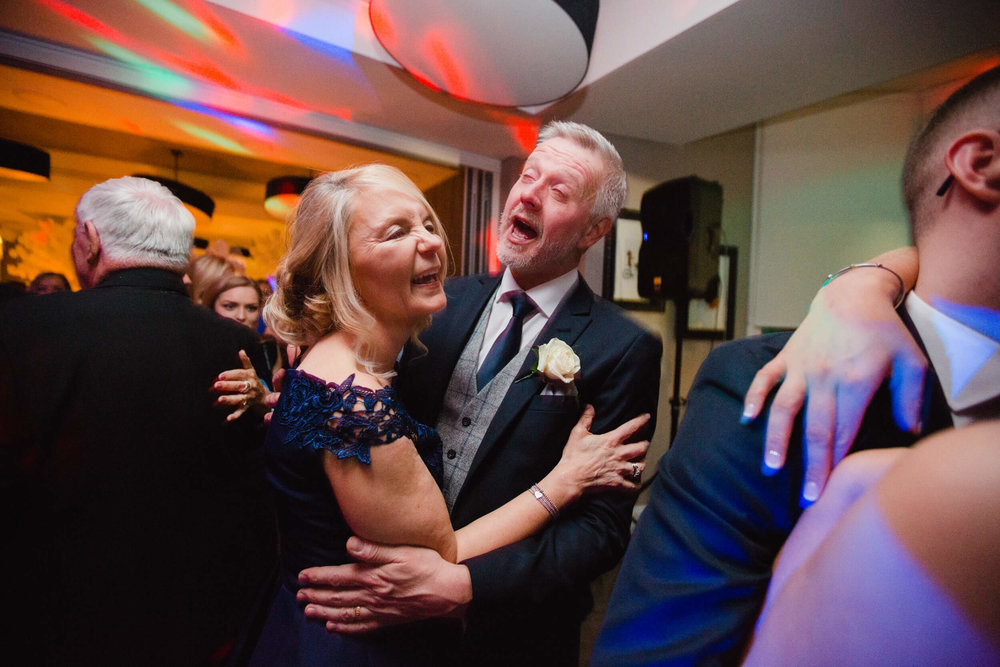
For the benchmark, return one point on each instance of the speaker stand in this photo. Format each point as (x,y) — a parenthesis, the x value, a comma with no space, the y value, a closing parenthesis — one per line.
(680,327)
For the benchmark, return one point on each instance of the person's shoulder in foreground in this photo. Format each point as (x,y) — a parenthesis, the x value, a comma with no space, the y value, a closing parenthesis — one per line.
(698,566)
(675,579)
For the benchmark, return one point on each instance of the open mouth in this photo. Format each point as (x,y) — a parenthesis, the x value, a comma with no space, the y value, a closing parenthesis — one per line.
(426,278)
(522,229)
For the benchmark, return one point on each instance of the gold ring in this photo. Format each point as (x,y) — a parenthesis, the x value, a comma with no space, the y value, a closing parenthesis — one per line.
(244,403)
(357,612)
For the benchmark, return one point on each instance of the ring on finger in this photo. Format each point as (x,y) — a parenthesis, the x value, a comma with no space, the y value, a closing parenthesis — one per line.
(357,612)
(636,472)
(246,387)
(244,403)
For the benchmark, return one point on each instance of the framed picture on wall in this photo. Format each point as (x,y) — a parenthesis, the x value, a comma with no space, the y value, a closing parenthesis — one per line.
(621,261)
(716,318)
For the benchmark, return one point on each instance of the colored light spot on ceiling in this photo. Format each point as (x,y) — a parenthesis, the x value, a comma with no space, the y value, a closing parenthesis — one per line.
(525,134)
(252,127)
(333,51)
(208,72)
(178,17)
(79,17)
(155,79)
(223,35)
(214,137)
(422,78)
(383,26)
(448,69)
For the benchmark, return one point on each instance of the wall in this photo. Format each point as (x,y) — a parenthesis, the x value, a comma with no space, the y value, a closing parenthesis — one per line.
(828,194)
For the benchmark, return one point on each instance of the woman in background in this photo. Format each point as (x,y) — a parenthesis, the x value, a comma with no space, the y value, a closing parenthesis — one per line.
(49,282)
(235,297)
(238,298)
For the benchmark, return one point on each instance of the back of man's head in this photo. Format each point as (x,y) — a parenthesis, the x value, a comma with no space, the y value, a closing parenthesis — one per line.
(976,105)
(140,222)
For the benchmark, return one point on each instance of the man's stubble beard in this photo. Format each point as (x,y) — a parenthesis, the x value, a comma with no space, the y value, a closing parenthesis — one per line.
(538,257)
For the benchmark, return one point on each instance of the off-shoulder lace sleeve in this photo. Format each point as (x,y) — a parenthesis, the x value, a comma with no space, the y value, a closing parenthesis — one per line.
(345,419)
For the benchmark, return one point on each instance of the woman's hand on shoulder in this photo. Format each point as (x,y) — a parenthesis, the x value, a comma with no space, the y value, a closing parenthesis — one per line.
(592,461)
(849,342)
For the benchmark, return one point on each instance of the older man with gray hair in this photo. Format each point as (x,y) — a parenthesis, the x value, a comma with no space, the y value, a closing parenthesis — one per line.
(114,461)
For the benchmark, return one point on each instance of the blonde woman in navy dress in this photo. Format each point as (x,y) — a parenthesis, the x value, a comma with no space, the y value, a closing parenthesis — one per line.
(362,276)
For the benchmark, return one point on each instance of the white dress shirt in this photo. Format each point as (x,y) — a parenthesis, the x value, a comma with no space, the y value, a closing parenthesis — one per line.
(547,297)
(964,348)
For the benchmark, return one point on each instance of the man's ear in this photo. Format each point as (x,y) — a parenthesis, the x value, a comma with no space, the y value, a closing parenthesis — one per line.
(974,161)
(596,231)
(93,237)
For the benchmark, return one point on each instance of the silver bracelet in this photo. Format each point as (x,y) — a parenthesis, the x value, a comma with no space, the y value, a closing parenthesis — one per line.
(900,294)
(540,496)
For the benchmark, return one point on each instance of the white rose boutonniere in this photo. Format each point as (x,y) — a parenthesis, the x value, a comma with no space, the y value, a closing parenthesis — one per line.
(557,364)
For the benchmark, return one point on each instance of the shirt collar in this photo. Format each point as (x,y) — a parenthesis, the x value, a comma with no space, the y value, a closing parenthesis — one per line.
(966,361)
(546,296)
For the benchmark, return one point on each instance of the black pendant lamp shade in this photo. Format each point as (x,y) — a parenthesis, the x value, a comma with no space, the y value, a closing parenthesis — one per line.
(23,162)
(282,194)
(195,200)
(187,194)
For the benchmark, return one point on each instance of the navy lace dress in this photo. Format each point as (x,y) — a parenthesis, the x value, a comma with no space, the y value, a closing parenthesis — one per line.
(348,420)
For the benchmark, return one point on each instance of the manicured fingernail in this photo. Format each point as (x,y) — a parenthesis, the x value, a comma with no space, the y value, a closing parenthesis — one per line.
(811,491)
(772,459)
(748,412)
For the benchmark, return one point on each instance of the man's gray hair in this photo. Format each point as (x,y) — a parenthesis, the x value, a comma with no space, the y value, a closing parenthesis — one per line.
(140,222)
(611,193)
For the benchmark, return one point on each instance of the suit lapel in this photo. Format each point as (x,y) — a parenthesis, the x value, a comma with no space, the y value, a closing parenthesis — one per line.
(568,323)
(461,316)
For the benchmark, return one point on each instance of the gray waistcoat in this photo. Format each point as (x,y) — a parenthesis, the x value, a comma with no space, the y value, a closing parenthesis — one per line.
(466,413)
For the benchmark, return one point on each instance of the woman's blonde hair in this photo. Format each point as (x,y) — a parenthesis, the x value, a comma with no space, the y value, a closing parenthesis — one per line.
(315,294)
(203,271)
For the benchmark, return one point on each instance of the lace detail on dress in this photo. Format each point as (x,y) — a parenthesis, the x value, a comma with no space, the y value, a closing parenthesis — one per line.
(345,419)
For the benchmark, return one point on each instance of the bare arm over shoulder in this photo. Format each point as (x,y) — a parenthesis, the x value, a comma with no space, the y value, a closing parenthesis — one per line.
(394,500)
(850,341)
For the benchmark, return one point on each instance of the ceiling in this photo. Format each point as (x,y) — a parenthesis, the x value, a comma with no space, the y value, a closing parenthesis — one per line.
(670,71)
(251,89)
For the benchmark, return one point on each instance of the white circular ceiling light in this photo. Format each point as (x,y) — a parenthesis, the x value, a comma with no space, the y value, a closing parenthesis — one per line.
(502,52)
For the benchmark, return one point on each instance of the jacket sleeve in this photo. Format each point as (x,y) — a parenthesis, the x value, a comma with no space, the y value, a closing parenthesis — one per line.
(589,537)
(697,570)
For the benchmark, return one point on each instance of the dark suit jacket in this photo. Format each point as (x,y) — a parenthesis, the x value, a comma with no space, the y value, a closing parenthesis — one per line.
(529,597)
(695,576)
(135,526)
